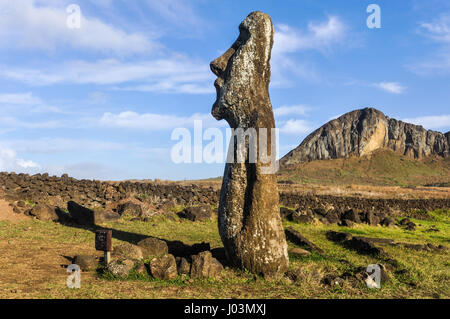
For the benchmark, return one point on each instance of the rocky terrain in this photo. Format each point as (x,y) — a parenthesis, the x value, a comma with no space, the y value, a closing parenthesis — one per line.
(41,195)
(361,132)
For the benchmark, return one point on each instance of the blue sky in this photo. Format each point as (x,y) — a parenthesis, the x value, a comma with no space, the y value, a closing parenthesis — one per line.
(101,101)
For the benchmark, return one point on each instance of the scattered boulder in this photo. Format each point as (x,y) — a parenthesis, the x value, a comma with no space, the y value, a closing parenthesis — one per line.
(299,252)
(347,222)
(352,215)
(371,219)
(204,265)
(404,221)
(85,216)
(332,217)
(152,247)
(183,266)
(127,251)
(333,281)
(86,262)
(197,213)
(300,217)
(294,274)
(164,267)
(130,209)
(362,245)
(286,213)
(120,268)
(388,222)
(43,212)
(298,239)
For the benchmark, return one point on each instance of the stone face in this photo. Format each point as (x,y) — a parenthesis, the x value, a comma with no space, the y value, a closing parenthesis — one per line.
(164,267)
(204,265)
(249,214)
(361,132)
(152,247)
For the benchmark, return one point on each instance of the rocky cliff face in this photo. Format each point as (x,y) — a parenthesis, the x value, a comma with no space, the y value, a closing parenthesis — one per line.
(361,132)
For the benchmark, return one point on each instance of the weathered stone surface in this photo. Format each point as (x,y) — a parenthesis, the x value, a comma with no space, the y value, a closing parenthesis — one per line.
(130,209)
(388,222)
(183,266)
(120,268)
(152,247)
(294,236)
(204,265)
(86,262)
(363,131)
(57,191)
(44,212)
(249,217)
(352,216)
(85,216)
(299,252)
(197,213)
(164,267)
(286,213)
(127,251)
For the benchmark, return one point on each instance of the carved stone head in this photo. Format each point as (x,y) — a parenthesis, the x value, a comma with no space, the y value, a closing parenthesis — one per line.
(243,74)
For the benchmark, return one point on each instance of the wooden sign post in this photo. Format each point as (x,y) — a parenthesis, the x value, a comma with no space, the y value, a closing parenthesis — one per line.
(103,242)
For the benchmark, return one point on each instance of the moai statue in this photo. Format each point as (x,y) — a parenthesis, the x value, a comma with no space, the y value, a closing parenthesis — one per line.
(249,214)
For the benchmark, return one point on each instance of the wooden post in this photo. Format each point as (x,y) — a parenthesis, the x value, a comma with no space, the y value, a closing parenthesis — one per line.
(103,242)
(107,257)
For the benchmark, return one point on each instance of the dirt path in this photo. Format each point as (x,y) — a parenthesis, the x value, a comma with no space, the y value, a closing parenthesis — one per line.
(6,213)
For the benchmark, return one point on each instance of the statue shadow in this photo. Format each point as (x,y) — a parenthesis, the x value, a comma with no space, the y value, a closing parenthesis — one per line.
(176,247)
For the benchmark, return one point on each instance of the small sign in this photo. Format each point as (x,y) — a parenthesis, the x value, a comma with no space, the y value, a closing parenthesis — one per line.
(103,240)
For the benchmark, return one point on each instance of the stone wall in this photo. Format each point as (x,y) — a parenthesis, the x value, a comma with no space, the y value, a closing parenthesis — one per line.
(58,191)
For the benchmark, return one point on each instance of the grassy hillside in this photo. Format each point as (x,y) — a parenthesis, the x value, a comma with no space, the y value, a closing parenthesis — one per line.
(383,167)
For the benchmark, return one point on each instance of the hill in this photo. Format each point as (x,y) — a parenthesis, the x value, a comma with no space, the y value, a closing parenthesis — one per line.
(381,167)
(361,132)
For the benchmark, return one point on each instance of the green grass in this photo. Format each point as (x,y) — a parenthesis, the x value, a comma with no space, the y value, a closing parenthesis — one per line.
(428,271)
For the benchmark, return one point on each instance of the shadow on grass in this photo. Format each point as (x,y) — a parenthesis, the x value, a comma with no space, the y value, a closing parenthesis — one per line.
(176,247)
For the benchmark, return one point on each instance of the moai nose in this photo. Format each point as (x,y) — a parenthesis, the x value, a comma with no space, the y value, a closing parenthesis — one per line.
(219,65)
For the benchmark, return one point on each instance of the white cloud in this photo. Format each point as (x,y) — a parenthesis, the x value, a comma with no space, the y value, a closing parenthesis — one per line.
(296,127)
(27,24)
(320,36)
(431,122)
(12,122)
(10,162)
(438,63)
(154,122)
(172,10)
(20,102)
(46,145)
(438,30)
(175,74)
(291,110)
(391,87)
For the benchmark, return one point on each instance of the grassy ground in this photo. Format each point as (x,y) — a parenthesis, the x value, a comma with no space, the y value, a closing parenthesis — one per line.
(34,253)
